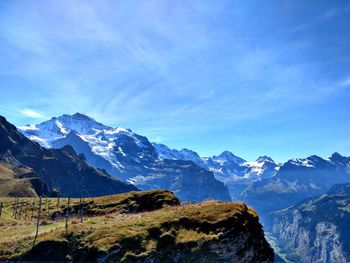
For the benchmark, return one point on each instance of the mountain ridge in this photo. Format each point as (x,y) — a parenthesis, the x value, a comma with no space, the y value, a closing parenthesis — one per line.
(60,169)
(127,156)
(147,165)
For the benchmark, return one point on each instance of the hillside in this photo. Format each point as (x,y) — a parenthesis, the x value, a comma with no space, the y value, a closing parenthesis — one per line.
(315,230)
(21,181)
(30,169)
(139,227)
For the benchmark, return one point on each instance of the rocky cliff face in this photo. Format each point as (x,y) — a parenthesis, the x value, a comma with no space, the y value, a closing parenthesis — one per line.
(316,230)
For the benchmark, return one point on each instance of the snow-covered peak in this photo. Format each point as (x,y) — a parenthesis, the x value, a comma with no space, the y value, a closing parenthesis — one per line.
(302,162)
(164,152)
(190,155)
(59,127)
(227,156)
(117,130)
(78,122)
(264,158)
(79,116)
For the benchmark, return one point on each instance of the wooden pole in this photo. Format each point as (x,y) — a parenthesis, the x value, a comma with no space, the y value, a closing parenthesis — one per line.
(37,222)
(26,210)
(48,207)
(15,207)
(1,206)
(33,207)
(58,208)
(81,211)
(16,204)
(20,210)
(67,215)
(58,203)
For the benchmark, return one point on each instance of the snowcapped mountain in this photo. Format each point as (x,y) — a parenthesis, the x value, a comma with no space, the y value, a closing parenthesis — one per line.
(51,170)
(263,183)
(266,185)
(235,172)
(165,152)
(297,179)
(128,156)
(263,167)
(58,127)
(226,166)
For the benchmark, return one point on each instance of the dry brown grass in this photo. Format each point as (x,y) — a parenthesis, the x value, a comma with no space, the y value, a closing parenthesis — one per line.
(190,223)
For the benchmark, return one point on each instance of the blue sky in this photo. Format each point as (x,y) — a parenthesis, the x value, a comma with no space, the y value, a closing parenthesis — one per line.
(252,77)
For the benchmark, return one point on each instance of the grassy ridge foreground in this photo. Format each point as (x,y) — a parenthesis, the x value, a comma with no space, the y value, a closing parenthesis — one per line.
(139,227)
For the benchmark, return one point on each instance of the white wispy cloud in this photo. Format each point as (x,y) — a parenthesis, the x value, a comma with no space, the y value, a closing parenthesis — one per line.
(31,113)
(345,82)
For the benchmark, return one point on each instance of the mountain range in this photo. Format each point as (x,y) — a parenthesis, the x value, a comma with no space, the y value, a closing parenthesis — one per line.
(102,159)
(266,185)
(235,172)
(297,179)
(127,156)
(132,158)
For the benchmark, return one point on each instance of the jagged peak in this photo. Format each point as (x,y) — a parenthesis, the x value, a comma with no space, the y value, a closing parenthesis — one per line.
(76,116)
(265,158)
(188,151)
(337,155)
(230,156)
(80,116)
(314,156)
(69,149)
(339,159)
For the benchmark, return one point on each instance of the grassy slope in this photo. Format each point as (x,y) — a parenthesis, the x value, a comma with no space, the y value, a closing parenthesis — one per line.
(10,185)
(109,227)
(17,234)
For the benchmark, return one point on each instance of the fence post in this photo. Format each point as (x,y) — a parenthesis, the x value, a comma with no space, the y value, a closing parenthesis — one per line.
(1,206)
(26,210)
(33,207)
(48,207)
(81,211)
(58,208)
(67,215)
(20,210)
(15,207)
(58,203)
(14,204)
(37,222)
